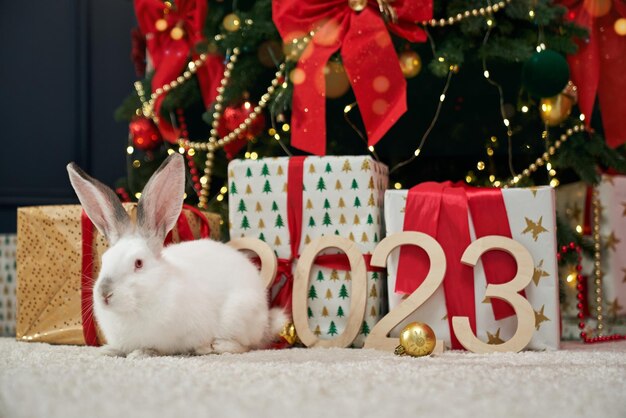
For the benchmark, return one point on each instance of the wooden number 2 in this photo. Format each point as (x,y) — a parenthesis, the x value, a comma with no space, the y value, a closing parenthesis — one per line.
(357,299)
(378,336)
(507,292)
(269,264)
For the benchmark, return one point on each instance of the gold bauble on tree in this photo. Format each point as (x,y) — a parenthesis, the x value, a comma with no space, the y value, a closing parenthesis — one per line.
(231,22)
(416,339)
(620,26)
(357,5)
(597,8)
(337,83)
(160,25)
(177,33)
(555,110)
(410,63)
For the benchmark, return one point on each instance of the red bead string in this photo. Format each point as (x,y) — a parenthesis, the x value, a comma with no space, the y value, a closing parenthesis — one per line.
(580,297)
(193,170)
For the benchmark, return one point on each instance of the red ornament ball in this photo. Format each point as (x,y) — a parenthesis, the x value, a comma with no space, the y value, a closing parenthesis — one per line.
(144,133)
(231,118)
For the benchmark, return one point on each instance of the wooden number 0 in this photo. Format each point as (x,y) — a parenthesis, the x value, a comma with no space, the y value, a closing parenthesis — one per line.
(269,264)
(507,292)
(357,300)
(378,336)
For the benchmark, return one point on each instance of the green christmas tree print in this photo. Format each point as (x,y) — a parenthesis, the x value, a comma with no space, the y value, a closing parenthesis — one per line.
(343,292)
(311,221)
(248,172)
(365,329)
(321,185)
(370,219)
(242,206)
(328,169)
(326,221)
(265,171)
(312,292)
(233,188)
(326,204)
(357,202)
(274,207)
(332,330)
(354,185)
(245,224)
(320,276)
(279,222)
(375,275)
(262,236)
(309,312)
(266,187)
(340,313)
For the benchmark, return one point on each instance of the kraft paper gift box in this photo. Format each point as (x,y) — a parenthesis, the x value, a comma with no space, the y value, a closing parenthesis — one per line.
(8,244)
(574,207)
(529,215)
(51,255)
(338,196)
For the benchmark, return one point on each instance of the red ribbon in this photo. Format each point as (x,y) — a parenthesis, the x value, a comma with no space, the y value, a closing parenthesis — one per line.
(89,325)
(294,219)
(368,56)
(597,68)
(170,56)
(441,211)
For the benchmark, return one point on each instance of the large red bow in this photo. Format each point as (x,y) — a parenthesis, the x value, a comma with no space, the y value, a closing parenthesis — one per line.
(368,57)
(598,66)
(170,56)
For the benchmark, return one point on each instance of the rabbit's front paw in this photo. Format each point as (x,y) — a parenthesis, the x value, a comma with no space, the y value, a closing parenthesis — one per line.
(228,346)
(142,353)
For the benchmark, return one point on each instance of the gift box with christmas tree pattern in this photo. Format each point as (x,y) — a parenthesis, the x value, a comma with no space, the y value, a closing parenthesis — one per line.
(574,205)
(326,195)
(455,216)
(8,244)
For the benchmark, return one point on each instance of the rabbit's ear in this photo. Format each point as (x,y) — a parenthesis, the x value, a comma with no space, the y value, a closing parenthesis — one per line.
(161,200)
(101,204)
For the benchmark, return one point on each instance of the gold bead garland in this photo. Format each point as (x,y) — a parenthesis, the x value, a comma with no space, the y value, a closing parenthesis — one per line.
(597,258)
(545,157)
(481,11)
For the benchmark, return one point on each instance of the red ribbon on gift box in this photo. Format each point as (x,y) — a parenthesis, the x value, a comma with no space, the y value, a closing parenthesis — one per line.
(170,56)
(89,324)
(368,56)
(441,211)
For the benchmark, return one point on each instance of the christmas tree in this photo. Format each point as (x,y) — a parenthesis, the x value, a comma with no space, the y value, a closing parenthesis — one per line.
(485,86)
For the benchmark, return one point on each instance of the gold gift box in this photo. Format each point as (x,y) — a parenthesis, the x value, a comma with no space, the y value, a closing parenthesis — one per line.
(49,265)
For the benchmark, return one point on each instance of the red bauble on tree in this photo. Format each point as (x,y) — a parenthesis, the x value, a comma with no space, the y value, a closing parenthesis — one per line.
(232,117)
(144,133)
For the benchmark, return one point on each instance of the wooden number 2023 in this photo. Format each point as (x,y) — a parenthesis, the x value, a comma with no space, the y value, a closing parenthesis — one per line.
(378,336)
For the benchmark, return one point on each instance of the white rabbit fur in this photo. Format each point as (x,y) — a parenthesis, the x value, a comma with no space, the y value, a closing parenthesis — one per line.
(193,297)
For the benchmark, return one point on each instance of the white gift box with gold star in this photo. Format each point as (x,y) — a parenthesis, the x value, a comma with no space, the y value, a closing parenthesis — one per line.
(572,207)
(532,220)
(8,244)
(341,196)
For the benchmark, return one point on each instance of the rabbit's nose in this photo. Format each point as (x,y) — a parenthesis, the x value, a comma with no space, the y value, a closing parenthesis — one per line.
(106,289)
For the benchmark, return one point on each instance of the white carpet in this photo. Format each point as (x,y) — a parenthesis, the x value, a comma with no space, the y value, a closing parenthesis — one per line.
(38,380)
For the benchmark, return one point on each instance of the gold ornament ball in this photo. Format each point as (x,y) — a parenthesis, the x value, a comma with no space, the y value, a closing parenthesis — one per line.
(177,33)
(337,83)
(160,25)
(597,8)
(289,334)
(554,110)
(357,5)
(231,22)
(410,63)
(620,26)
(417,339)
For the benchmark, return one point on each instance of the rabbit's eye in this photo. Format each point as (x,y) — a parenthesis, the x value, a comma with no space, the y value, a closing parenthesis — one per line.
(138,264)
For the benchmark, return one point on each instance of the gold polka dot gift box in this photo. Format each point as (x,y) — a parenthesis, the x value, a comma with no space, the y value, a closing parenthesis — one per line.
(8,244)
(462,220)
(52,253)
(598,213)
(290,202)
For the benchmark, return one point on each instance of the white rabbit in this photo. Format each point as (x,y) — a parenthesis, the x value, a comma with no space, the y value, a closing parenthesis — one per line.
(194,297)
